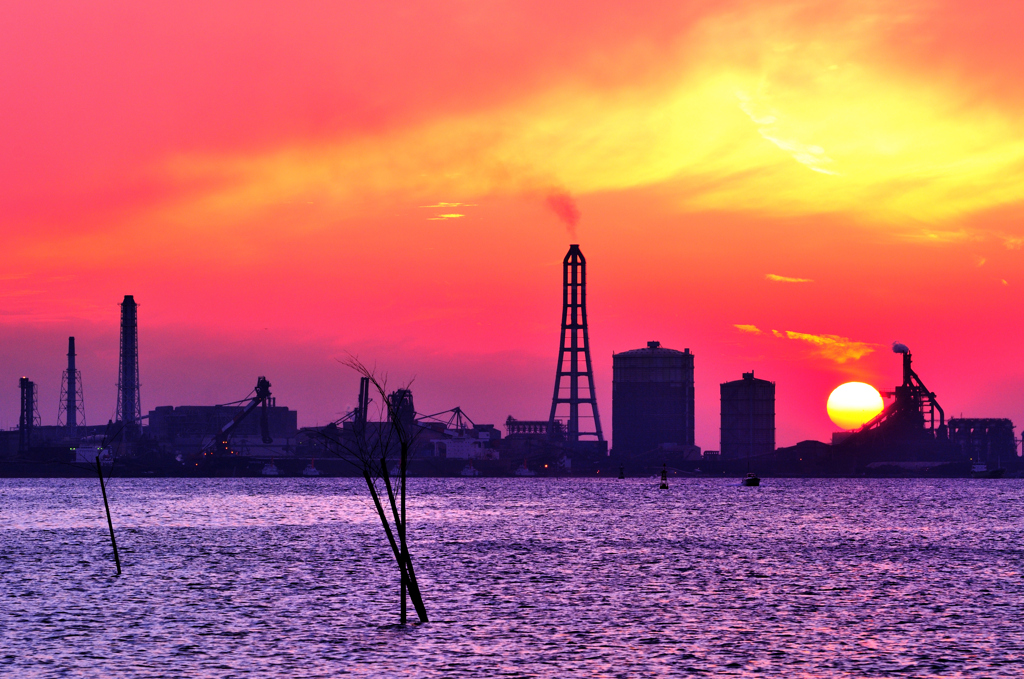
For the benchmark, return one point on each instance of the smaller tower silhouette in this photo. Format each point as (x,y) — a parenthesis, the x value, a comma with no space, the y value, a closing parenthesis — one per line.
(29,418)
(71,412)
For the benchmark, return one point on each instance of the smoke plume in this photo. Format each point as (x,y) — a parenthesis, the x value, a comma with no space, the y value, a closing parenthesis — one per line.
(564,206)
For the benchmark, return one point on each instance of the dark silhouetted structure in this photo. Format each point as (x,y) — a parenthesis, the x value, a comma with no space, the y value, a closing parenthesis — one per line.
(72,407)
(914,412)
(402,408)
(129,406)
(574,345)
(652,399)
(987,442)
(540,429)
(748,418)
(29,418)
(188,429)
(359,416)
(911,429)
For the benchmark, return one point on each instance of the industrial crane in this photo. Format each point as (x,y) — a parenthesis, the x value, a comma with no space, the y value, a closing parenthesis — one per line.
(221,442)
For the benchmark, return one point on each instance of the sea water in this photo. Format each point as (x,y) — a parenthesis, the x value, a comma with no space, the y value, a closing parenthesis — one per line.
(293,577)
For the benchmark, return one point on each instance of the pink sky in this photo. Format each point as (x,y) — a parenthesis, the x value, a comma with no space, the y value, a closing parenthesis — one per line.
(255,175)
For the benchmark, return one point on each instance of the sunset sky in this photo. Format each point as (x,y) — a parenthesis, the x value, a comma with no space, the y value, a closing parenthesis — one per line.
(779,186)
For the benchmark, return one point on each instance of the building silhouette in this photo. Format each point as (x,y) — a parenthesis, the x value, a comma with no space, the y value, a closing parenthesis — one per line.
(988,442)
(748,418)
(652,399)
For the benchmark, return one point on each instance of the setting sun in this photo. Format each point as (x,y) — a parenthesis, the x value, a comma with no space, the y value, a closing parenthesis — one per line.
(852,404)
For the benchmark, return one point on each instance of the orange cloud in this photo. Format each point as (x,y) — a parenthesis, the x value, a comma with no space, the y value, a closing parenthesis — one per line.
(787,279)
(833,347)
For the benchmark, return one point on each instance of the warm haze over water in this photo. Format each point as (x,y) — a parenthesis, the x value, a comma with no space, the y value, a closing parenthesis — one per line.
(780,186)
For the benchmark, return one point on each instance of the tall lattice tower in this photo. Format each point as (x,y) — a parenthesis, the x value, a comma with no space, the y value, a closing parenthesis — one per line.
(575,344)
(71,412)
(129,407)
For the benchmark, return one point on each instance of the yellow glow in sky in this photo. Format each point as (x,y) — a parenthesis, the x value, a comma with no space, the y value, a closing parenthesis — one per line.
(798,119)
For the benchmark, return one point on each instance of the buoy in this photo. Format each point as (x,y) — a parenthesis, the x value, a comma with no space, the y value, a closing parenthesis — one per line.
(622,472)
(664,477)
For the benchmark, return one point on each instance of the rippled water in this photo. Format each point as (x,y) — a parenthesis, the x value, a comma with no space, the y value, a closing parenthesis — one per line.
(522,577)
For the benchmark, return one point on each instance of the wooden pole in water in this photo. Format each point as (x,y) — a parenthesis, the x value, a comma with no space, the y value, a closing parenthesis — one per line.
(110,524)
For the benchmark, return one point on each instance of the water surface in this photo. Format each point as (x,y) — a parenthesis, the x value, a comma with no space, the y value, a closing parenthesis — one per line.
(522,577)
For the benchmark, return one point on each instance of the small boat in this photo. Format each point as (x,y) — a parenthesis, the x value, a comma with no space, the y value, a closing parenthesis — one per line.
(470,470)
(981,471)
(270,469)
(311,470)
(525,471)
(751,479)
(92,447)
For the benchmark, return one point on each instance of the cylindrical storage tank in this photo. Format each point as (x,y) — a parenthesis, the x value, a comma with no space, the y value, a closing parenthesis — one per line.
(652,399)
(748,417)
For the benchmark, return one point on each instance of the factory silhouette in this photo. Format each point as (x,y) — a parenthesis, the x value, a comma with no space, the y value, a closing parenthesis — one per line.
(652,396)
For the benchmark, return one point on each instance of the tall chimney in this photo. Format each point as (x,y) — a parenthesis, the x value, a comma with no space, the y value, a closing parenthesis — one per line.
(72,396)
(71,413)
(129,407)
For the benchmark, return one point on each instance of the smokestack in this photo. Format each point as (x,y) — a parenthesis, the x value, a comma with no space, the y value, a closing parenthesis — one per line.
(71,414)
(900,348)
(72,397)
(29,414)
(129,406)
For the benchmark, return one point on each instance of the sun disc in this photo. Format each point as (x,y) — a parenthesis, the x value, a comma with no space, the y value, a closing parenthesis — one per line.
(853,404)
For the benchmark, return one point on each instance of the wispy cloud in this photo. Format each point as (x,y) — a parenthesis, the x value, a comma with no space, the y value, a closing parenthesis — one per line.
(21,293)
(768,126)
(444,205)
(833,347)
(786,279)
(939,237)
(447,215)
